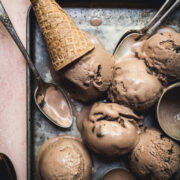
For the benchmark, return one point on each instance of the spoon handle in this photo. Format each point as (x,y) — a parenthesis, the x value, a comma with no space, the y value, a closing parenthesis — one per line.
(157,16)
(171,8)
(4,18)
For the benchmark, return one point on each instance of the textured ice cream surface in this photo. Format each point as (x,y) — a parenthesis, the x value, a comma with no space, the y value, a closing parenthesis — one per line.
(161,53)
(133,84)
(90,76)
(63,157)
(156,157)
(119,174)
(110,129)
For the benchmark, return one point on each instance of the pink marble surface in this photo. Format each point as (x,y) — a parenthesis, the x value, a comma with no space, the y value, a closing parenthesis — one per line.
(13,89)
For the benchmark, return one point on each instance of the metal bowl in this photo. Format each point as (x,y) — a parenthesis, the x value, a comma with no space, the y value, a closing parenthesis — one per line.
(168,111)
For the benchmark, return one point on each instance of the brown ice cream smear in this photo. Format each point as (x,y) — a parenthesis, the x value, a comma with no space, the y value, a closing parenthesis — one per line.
(96,21)
(110,129)
(119,174)
(63,157)
(90,76)
(84,113)
(134,85)
(55,106)
(161,53)
(155,157)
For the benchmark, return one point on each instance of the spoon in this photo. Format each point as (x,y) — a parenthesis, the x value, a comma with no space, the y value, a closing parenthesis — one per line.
(168,111)
(118,173)
(7,171)
(125,43)
(42,86)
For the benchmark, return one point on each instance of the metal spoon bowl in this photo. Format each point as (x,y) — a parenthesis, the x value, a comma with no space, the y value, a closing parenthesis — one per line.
(42,86)
(168,111)
(7,171)
(132,36)
(38,92)
(118,173)
(125,48)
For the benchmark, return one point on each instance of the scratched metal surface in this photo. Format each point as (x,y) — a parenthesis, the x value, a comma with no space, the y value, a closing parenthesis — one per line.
(115,22)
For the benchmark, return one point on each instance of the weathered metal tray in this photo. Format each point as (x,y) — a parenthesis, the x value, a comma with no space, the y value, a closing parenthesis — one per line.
(115,21)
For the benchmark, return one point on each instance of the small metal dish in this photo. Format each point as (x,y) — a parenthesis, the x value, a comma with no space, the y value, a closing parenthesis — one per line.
(168,111)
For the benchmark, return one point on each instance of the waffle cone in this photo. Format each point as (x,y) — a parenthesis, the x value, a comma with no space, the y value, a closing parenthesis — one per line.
(64,40)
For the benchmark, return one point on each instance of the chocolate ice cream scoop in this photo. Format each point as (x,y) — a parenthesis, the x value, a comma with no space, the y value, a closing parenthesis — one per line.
(91,75)
(133,84)
(110,129)
(119,174)
(161,53)
(155,157)
(63,157)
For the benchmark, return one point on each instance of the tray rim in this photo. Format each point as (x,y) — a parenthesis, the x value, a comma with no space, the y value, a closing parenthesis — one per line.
(28,91)
(132,4)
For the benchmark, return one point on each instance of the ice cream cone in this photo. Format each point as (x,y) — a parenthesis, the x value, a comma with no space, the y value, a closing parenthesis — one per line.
(65,41)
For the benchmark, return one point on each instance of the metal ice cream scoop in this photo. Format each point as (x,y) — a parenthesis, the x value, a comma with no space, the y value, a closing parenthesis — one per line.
(132,36)
(168,111)
(42,86)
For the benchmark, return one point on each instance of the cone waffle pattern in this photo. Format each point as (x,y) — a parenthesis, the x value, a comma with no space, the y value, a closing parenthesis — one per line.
(65,41)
